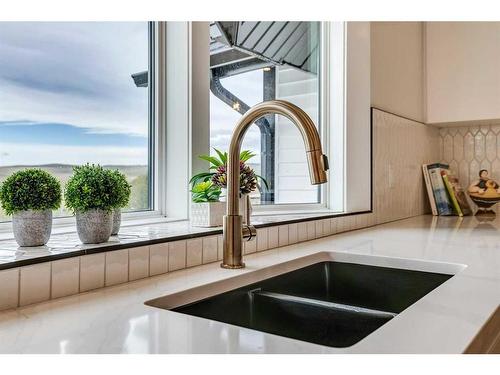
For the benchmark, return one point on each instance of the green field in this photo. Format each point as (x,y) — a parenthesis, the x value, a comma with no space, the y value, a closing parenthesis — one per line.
(137,175)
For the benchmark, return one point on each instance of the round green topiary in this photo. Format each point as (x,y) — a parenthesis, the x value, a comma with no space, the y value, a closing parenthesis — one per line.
(93,187)
(30,189)
(122,187)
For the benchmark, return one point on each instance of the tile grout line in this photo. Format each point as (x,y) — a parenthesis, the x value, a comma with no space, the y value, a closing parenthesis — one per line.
(18,288)
(50,282)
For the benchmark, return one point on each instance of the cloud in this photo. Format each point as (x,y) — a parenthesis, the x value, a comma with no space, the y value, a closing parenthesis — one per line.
(65,134)
(75,73)
(247,87)
(36,154)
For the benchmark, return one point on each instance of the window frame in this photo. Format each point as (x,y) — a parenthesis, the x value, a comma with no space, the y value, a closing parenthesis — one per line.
(330,82)
(345,72)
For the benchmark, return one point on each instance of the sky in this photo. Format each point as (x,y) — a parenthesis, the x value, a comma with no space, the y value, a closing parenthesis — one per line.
(67,96)
(248,88)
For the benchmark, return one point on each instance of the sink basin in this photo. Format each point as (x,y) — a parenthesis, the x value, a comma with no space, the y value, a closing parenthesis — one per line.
(328,303)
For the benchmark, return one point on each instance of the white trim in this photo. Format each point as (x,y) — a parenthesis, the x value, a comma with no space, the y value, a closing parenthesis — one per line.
(358,145)
(160,119)
(200,99)
(333,111)
(178,119)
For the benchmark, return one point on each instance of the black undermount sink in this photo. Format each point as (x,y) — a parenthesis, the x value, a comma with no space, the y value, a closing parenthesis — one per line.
(329,303)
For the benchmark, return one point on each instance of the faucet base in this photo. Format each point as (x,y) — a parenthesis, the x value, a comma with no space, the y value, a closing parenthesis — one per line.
(232,266)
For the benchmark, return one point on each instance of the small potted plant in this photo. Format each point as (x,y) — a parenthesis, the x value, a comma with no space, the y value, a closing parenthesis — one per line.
(29,196)
(122,188)
(92,195)
(217,174)
(206,210)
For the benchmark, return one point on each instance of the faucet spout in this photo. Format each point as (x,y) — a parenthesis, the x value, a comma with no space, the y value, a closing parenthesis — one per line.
(233,231)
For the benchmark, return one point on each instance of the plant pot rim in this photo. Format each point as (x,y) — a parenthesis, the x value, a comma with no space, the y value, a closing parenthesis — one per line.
(94,209)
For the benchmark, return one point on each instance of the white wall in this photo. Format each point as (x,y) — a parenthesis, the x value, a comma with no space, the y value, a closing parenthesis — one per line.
(397,69)
(357,117)
(463,71)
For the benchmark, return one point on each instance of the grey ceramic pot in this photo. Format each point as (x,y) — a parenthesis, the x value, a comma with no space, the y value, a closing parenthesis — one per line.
(94,226)
(32,228)
(117,221)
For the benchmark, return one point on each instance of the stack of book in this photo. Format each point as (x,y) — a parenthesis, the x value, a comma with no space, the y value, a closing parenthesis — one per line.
(446,196)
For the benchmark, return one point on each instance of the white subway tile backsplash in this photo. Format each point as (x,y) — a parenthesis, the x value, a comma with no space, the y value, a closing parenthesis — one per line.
(272,237)
(194,252)
(319,228)
(302,231)
(420,145)
(138,258)
(176,255)
(333,225)
(293,233)
(92,271)
(34,284)
(311,230)
(9,285)
(250,247)
(348,223)
(158,259)
(116,267)
(341,224)
(209,249)
(220,242)
(283,235)
(326,227)
(262,239)
(65,277)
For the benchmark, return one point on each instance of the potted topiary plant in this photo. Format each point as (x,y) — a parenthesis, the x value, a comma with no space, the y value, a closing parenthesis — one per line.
(122,195)
(206,210)
(29,196)
(92,195)
(217,174)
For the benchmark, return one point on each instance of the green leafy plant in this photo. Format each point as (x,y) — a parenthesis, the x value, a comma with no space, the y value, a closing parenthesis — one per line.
(218,174)
(205,191)
(93,187)
(30,189)
(121,186)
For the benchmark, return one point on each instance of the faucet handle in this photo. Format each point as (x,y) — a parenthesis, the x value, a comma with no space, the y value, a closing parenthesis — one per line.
(249,232)
(326,164)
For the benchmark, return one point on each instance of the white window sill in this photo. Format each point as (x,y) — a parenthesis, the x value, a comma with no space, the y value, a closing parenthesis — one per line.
(66,225)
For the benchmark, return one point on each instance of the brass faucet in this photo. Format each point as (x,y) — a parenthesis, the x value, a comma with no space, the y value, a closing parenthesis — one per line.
(233,230)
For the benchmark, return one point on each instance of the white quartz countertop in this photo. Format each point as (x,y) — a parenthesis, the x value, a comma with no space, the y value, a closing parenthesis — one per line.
(115,319)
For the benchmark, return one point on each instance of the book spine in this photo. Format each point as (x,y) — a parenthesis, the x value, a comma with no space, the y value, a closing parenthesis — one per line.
(443,204)
(453,198)
(430,193)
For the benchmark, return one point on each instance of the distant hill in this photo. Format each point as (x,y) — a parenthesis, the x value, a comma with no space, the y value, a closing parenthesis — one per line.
(57,165)
(136,175)
(64,171)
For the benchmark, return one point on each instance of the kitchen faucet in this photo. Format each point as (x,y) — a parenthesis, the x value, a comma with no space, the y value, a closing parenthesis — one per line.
(233,230)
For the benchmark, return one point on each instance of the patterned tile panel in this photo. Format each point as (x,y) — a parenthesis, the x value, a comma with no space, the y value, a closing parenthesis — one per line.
(473,148)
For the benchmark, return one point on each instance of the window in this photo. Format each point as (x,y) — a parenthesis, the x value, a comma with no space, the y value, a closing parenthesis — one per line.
(255,61)
(148,98)
(72,93)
